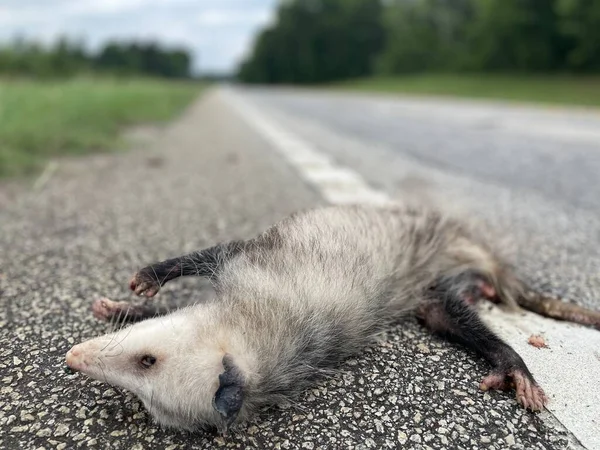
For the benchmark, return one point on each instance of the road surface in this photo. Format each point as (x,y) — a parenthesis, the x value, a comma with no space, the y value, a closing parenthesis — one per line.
(226,169)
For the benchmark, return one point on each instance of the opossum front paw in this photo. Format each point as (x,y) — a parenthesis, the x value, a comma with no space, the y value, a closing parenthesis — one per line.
(528,393)
(145,282)
(105,309)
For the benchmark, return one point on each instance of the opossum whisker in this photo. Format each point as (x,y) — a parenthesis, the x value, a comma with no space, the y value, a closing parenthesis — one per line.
(102,367)
(192,260)
(156,277)
(124,321)
(162,283)
(111,355)
(106,345)
(129,329)
(111,322)
(151,397)
(116,344)
(118,321)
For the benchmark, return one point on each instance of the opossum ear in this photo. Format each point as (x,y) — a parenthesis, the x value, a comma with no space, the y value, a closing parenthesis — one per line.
(230,395)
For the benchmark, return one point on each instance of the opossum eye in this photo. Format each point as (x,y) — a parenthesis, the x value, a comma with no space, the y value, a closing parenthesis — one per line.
(147,361)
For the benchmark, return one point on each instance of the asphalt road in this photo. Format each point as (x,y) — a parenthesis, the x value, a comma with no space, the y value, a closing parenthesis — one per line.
(211,177)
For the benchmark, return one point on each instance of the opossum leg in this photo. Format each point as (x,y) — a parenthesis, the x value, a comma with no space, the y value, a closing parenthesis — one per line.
(123,312)
(203,263)
(454,318)
(477,287)
(557,309)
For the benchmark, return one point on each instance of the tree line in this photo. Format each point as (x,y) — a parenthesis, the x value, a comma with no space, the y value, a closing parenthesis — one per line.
(315,41)
(67,58)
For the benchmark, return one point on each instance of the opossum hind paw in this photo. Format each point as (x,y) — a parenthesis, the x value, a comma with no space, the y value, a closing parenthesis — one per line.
(528,393)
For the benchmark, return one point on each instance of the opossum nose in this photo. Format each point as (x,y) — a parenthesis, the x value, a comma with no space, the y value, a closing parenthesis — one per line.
(74,358)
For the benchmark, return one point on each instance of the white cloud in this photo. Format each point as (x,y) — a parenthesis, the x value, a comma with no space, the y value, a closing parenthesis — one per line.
(216,17)
(217,32)
(108,7)
(104,6)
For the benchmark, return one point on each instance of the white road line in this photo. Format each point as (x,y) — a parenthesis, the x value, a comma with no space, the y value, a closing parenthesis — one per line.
(338,185)
(569,371)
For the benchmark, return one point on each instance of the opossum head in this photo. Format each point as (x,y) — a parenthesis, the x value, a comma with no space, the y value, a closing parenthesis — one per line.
(187,372)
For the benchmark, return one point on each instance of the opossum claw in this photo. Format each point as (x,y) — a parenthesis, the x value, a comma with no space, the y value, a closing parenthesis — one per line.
(143,283)
(528,393)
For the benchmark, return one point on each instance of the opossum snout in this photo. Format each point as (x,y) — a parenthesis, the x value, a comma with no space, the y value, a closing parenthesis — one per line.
(74,358)
(78,357)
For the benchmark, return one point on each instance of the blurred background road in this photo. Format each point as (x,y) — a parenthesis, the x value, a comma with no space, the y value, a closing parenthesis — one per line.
(137,130)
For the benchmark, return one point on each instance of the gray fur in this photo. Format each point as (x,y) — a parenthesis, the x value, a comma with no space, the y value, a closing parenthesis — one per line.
(319,284)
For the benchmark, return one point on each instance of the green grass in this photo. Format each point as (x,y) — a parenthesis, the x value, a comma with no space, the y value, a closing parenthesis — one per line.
(39,120)
(566,90)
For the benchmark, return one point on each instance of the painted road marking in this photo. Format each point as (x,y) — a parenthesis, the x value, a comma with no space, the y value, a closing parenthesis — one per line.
(337,184)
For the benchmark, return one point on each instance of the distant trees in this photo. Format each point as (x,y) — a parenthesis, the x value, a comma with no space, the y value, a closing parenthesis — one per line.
(323,40)
(317,40)
(580,25)
(66,58)
(147,59)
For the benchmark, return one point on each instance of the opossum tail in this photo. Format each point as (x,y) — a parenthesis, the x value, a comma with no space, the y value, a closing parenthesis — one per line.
(557,309)
(513,291)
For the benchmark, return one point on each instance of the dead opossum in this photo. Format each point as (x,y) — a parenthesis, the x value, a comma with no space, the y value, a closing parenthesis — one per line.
(297,300)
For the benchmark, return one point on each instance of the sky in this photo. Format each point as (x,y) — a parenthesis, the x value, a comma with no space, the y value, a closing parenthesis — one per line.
(218,33)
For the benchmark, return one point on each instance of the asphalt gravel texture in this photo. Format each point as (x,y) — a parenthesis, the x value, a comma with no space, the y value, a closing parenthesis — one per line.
(207,178)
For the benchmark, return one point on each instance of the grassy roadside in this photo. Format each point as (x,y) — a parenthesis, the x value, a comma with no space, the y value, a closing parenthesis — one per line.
(39,120)
(564,90)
